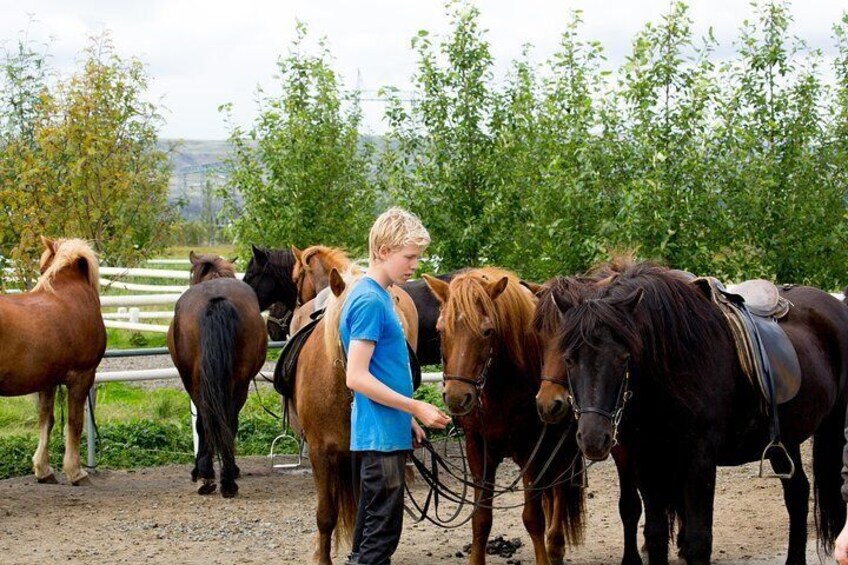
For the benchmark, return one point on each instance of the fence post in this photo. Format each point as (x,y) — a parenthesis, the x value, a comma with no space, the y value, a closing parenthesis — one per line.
(89,426)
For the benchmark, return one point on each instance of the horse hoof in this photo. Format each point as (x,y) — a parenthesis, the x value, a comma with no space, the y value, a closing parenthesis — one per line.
(207,487)
(82,481)
(237,473)
(194,474)
(229,491)
(47,480)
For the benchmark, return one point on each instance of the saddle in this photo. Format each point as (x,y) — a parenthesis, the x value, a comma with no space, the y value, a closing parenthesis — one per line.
(286,369)
(765,353)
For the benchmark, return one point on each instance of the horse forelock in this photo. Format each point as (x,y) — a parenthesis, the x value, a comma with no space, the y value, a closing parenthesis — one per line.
(68,252)
(511,313)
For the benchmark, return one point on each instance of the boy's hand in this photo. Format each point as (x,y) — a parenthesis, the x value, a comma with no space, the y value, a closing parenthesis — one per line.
(418,435)
(431,416)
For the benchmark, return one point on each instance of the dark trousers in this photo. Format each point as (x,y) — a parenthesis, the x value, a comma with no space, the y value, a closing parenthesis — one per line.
(379,518)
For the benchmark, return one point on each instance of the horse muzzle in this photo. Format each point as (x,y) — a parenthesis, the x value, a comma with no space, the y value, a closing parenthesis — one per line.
(594,436)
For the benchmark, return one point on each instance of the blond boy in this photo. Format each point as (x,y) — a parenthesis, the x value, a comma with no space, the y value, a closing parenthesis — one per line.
(383,419)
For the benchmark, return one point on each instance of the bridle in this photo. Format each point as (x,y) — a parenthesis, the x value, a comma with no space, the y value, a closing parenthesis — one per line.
(624,394)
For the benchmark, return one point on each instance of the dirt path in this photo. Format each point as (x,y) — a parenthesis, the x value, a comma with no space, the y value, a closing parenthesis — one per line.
(154,516)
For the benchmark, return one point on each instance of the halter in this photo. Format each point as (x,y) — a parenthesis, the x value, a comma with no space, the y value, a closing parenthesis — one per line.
(480,382)
(624,394)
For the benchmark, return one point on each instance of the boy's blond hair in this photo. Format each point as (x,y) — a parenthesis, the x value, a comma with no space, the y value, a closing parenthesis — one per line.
(396,228)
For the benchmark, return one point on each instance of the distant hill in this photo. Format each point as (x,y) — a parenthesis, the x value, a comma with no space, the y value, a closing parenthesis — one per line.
(198,164)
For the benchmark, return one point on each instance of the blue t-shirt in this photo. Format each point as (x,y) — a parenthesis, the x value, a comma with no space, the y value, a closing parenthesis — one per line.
(368,315)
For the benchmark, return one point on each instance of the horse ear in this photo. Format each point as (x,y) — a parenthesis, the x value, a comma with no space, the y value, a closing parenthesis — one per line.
(233,260)
(192,256)
(337,284)
(49,244)
(496,288)
(630,302)
(562,302)
(532,287)
(298,254)
(439,288)
(259,255)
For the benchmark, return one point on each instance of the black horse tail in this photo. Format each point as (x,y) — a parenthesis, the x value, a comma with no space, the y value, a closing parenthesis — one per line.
(218,330)
(828,443)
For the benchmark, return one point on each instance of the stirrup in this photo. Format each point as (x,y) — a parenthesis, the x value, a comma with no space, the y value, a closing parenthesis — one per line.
(777,445)
(301,447)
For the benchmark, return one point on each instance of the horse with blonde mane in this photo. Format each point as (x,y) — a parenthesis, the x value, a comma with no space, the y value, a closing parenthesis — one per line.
(322,404)
(491,376)
(54,335)
(218,343)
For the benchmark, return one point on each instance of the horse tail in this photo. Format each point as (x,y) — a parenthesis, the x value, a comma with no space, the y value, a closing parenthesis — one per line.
(218,331)
(828,443)
(573,512)
(347,500)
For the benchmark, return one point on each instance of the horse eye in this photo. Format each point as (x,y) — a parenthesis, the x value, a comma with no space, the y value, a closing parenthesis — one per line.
(488,332)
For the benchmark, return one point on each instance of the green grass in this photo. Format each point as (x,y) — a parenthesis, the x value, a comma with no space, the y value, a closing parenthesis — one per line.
(138,428)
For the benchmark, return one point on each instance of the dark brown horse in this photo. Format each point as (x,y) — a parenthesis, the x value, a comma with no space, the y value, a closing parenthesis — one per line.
(552,400)
(322,402)
(55,335)
(491,375)
(269,273)
(218,343)
(653,338)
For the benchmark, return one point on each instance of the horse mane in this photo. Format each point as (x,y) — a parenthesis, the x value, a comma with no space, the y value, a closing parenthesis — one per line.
(511,313)
(668,328)
(333,313)
(219,268)
(572,290)
(67,252)
(331,257)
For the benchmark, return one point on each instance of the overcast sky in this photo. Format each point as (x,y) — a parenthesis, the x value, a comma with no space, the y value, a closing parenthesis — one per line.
(203,53)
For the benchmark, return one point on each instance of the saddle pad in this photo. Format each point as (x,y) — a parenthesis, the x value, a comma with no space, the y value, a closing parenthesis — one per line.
(286,368)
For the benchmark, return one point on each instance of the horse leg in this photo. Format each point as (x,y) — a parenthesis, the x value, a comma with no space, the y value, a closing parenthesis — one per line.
(629,507)
(229,469)
(204,468)
(41,459)
(481,520)
(697,512)
(327,512)
(656,525)
(796,495)
(534,521)
(555,535)
(79,383)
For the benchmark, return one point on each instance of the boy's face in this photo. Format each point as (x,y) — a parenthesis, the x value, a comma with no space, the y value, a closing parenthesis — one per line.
(399,265)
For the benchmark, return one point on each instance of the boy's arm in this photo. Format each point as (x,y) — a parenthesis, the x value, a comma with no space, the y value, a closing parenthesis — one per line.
(360,379)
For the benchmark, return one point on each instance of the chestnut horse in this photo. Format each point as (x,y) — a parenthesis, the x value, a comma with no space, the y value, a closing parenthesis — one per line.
(322,402)
(55,335)
(218,343)
(491,376)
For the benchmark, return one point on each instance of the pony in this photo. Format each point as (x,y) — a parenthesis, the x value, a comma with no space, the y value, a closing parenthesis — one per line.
(491,375)
(54,335)
(217,342)
(269,274)
(322,403)
(552,400)
(652,365)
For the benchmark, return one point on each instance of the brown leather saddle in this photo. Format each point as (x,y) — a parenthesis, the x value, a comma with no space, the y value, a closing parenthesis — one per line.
(286,369)
(765,352)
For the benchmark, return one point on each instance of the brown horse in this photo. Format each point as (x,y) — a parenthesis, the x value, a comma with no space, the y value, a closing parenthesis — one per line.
(322,403)
(218,343)
(55,335)
(491,375)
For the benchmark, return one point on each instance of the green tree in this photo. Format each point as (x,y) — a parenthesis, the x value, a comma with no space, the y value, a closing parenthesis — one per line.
(86,164)
(439,148)
(299,175)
